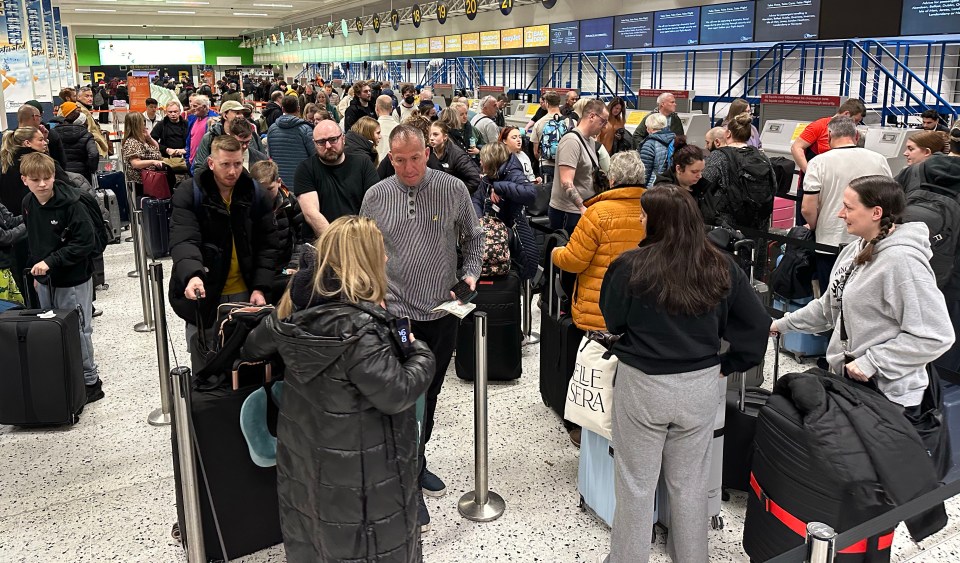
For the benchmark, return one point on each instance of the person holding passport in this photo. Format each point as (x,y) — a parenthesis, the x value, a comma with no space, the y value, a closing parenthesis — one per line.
(422,214)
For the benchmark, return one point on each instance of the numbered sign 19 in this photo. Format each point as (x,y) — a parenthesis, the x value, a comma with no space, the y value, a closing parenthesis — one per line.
(442,11)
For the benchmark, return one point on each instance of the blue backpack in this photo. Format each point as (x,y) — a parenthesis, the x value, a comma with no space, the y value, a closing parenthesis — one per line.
(550,138)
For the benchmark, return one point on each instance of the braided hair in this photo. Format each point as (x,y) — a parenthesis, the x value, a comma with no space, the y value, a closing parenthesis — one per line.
(883,192)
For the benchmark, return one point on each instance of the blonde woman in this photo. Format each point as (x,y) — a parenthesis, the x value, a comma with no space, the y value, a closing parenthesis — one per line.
(347,442)
(140,150)
(362,139)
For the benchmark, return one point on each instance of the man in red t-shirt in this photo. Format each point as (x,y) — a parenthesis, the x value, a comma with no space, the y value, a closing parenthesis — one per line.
(814,140)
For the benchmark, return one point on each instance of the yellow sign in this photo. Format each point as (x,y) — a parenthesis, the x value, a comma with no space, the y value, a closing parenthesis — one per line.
(409,47)
(423,46)
(511,38)
(469,42)
(374,50)
(532,109)
(436,44)
(396,48)
(365,51)
(635,117)
(489,40)
(798,130)
(536,36)
(452,44)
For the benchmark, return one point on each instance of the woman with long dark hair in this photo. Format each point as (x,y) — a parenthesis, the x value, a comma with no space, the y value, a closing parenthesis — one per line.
(618,115)
(672,299)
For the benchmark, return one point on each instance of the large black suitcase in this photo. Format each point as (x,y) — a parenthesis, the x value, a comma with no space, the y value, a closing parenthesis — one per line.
(41,381)
(115,181)
(156,226)
(499,297)
(244,494)
(559,339)
(790,487)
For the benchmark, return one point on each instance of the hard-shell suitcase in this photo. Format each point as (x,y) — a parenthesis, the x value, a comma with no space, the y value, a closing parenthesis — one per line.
(114,222)
(797,344)
(951,416)
(559,339)
(500,298)
(714,483)
(115,181)
(742,405)
(789,488)
(156,226)
(244,494)
(41,382)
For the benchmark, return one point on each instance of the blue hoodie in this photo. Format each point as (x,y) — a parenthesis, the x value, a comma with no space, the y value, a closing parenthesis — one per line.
(290,142)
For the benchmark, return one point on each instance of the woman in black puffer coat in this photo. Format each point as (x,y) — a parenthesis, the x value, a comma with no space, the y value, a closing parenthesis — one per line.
(347,466)
(80,147)
(451,157)
(505,184)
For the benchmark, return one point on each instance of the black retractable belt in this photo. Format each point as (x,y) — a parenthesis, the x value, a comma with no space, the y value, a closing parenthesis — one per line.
(809,245)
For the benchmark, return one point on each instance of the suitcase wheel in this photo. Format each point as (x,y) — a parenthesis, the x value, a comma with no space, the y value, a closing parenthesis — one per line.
(581,505)
(653,534)
(716,522)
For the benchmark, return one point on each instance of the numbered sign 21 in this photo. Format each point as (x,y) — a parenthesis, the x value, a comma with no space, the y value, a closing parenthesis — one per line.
(506,6)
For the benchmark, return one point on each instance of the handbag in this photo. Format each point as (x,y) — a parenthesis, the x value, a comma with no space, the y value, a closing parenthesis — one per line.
(155,184)
(177,164)
(929,423)
(496,242)
(589,400)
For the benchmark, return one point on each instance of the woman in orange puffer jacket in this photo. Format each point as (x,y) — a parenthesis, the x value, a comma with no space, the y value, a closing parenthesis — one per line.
(610,226)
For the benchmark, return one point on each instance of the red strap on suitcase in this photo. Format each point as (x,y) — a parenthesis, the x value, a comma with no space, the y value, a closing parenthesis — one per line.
(799,527)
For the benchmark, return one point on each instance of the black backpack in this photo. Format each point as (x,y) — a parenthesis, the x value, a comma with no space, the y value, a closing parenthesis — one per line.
(939,209)
(622,141)
(792,278)
(748,199)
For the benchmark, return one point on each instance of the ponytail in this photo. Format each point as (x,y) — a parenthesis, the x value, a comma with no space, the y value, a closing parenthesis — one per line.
(883,192)
(866,255)
(12,140)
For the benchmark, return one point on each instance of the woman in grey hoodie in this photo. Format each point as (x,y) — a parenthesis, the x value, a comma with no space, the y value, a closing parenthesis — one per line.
(883,295)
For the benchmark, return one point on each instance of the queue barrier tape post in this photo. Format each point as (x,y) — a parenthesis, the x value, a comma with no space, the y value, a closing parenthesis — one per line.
(193,536)
(141,256)
(529,337)
(131,204)
(821,543)
(481,504)
(161,416)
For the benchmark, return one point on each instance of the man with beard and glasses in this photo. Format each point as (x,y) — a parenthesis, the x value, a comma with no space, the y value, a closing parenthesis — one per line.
(332,184)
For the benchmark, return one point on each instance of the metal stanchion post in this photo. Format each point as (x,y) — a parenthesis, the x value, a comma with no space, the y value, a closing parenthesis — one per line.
(193,538)
(821,543)
(529,337)
(161,416)
(141,255)
(481,504)
(131,195)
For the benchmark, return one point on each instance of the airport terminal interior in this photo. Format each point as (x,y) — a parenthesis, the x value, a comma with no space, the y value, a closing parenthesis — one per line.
(104,489)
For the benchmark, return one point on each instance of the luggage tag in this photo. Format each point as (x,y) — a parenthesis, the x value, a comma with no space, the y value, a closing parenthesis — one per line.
(495,207)
(47,315)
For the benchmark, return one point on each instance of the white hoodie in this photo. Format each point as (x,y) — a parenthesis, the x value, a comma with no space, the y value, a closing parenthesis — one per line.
(895,317)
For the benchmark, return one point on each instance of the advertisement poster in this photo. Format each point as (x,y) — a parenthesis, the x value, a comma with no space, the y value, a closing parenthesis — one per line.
(15,65)
(50,44)
(138,87)
(62,66)
(38,54)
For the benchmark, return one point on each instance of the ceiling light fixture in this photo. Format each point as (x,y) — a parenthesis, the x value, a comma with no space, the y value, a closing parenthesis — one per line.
(249,14)
(259,5)
(174,12)
(91,10)
(186,2)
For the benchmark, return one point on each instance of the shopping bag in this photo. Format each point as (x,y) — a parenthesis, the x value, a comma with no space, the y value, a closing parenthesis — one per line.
(590,392)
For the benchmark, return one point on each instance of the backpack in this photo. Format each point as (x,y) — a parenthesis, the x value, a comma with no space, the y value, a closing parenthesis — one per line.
(622,141)
(792,278)
(550,138)
(101,228)
(748,199)
(98,99)
(939,209)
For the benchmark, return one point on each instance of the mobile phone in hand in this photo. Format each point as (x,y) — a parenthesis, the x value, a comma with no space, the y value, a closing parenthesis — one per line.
(402,325)
(463,292)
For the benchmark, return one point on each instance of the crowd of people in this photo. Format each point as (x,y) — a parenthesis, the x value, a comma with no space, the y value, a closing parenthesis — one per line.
(350,223)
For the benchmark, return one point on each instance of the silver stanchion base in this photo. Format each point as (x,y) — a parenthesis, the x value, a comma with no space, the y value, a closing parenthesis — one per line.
(142,327)
(532,338)
(128,239)
(470,510)
(133,274)
(159,418)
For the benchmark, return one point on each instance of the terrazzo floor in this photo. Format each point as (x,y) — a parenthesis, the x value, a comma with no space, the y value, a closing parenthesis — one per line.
(103,490)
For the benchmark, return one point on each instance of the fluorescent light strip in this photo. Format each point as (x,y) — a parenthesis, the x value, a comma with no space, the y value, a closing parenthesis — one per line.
(258,5)
(91,10)
(249,14)
(186,2)
(174,12)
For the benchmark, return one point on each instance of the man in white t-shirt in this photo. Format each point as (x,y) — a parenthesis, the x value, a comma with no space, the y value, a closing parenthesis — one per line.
(828,175)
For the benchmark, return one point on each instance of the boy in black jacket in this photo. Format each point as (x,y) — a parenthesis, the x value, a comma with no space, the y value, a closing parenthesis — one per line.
(61,242)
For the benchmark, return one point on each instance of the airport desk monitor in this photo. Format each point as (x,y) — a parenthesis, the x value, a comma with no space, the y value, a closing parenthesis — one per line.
(889,142)
(521,114)
(512,108)
(777,136)
(444,91)
(695,127)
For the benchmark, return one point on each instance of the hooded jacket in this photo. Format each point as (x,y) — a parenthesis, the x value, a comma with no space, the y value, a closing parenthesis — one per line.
(202,235)
(289,224)
(895,317)
(290,142)
(610,227)
(61,234)
(357,144)
(655,153)
(170,135)
(355,111)
(12,230)
(80,148)
(347,465)
(458,163)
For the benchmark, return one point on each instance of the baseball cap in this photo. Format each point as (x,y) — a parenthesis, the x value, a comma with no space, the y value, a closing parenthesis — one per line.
(231,105)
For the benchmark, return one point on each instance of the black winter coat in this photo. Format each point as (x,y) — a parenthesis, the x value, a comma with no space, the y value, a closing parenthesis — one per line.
(357,144)
(271,112)
(355,111)
(170,135)
(202,238)
(289,225)
(80,147)
(12,230)
(347,465)
(458,163)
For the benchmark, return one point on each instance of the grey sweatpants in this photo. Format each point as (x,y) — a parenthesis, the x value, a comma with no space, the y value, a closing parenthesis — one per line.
(78,297)
(662,420)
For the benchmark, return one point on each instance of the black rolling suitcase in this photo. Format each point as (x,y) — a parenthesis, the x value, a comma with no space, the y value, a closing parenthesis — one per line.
(156,226)
(41,381)
(789,487)
(499,297)
(559,338)
(244,495)
(115,181)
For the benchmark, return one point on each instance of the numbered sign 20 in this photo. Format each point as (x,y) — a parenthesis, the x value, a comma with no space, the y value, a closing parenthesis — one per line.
(470,6)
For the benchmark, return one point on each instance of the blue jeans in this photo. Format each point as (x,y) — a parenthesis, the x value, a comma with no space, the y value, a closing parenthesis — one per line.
(78,297)
(563,220)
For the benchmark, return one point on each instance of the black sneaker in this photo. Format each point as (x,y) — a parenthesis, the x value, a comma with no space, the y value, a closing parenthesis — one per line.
(102,287)
(423,516)
(94,392)
(431,485)
(96,312)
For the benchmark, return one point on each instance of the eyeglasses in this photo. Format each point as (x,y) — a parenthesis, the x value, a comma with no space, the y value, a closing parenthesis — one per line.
(603,120)
(244,144)
(329,140)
